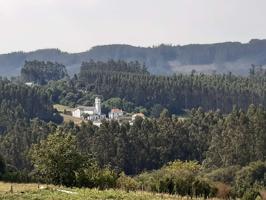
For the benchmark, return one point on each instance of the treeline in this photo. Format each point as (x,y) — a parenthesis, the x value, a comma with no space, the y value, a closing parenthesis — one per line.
(230,149)
(177,92)
(24,111)
(17,101)
(117,66)
(147,93)
(237,139)
(40,72)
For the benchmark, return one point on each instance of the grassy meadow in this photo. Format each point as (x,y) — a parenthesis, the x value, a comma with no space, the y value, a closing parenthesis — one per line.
(44,192)
(67,118)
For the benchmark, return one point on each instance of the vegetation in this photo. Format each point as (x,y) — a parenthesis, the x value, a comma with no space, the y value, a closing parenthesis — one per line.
(21,102)
(31,192)
(209,154)
(2,166)
(42,72)
(140,90)
(162,59)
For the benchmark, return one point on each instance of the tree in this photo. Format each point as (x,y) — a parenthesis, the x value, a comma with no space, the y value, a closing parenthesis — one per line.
(57,159)
(250,176)
(156,110)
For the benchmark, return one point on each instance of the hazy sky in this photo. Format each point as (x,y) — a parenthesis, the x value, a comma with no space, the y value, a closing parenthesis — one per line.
(77,25)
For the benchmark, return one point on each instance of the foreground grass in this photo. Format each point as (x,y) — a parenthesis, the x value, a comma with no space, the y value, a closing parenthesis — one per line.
(32,192)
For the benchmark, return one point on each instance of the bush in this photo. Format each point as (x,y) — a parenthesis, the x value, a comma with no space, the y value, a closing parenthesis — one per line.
(106,178)
(17,177)
(126,183)
(225,175)
(223,191)
(177,178)
(94,176)
(251,194)
(249,177)
(202,188)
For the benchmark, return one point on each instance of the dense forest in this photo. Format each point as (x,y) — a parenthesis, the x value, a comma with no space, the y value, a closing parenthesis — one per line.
(226,147)
(218,149)
(42,72)
(18,101)
(175,93)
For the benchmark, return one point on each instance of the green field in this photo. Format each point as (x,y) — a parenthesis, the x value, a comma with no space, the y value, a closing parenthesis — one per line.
(42,192)
(67,118)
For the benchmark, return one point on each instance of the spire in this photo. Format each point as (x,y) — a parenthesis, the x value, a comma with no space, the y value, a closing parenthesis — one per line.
(98,106)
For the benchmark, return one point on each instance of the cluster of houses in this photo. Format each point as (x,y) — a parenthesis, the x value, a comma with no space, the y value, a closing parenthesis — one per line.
(95,114)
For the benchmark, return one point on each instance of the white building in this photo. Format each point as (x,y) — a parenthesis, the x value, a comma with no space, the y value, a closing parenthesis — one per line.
(90,113)
(115,113)
(30,84)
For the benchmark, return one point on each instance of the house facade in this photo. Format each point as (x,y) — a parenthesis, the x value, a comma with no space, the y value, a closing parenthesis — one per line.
(115,113)
(90,113)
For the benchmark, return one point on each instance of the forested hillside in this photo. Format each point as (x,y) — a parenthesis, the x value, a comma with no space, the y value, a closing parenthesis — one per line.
(21,102)
(42,72)
(177,92)
(218,149)
(96,156)
(226,57)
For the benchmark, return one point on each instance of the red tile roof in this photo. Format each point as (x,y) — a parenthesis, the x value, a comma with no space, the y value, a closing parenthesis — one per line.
(115,110)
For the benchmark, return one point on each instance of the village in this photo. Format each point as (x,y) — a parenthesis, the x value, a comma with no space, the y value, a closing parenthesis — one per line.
(94,114)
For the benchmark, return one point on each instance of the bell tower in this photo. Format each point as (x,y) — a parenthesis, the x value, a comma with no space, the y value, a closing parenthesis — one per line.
(98,106)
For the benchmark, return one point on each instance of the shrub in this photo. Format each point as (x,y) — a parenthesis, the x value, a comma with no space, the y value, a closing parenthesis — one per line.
(126,183)
(223,190)
(250,176)
(94,176)
(106,178)
(177,178)
(202,188)
(225,175)
(251,194)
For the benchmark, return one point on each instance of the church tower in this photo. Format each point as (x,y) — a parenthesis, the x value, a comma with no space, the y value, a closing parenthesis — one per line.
(98,106)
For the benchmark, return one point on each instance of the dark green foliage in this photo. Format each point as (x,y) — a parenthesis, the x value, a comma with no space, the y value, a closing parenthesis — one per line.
(238,139)
(16,143)
(64,92)
(156,110)
(22,102)
(42,72)
(225,175)
(251,194)
(17,176)
(251,176)
(2,166)
(113,66)
(19,106)
(176,93)
(177,178)
(148,144)
(119,103)
(57,160)
(126,183)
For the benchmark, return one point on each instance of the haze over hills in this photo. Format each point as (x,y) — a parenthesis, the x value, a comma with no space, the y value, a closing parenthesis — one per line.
(225,57)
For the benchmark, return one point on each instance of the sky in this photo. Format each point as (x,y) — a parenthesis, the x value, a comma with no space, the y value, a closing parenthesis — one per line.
(78,25)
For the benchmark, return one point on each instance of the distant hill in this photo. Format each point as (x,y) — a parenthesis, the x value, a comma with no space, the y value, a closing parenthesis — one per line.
(208,58)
